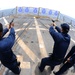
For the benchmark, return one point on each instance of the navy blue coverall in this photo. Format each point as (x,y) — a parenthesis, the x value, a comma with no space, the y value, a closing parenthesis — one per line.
(7,57)
(67,65)
(61,44)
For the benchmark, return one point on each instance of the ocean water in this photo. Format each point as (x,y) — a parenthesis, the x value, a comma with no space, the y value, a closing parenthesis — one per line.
(67,19)
(7,12)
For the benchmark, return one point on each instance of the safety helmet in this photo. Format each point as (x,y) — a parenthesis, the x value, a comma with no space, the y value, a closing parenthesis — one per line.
(65,27)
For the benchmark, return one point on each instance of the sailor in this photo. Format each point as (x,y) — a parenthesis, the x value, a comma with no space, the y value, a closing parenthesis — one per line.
(7,57)
(68,62)
(61,43)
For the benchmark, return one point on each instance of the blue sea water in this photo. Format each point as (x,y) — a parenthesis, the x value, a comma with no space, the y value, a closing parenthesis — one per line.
(7,12)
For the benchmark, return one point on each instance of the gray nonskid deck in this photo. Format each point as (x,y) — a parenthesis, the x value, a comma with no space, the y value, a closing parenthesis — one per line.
(33,44)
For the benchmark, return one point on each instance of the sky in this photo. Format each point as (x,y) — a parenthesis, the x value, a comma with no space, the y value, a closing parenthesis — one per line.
(66,7)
